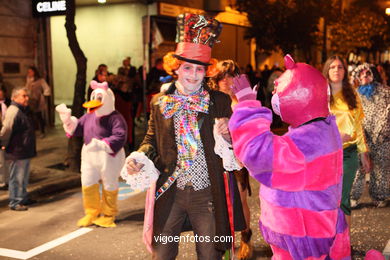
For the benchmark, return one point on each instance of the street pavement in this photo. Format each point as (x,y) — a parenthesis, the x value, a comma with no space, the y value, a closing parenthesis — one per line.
(59,206)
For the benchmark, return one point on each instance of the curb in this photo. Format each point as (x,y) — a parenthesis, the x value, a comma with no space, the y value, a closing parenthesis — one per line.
(45,181)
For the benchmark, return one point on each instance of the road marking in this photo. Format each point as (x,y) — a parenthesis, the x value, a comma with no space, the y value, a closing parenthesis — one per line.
(45,247)
(126,192)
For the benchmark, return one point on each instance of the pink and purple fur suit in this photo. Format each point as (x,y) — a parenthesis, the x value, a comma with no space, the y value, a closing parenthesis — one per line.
(300,172)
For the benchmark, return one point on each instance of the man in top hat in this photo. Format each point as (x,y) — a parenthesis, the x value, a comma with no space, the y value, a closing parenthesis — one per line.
(180,144)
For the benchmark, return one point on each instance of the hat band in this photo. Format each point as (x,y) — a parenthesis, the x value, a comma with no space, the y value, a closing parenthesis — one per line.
(194,51)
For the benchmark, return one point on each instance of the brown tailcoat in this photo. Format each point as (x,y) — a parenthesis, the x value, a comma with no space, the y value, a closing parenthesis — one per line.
(159,145)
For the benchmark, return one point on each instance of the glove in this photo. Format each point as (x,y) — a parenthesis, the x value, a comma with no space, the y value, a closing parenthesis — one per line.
(64,113)
(69,122)
(98,145)
(242,88)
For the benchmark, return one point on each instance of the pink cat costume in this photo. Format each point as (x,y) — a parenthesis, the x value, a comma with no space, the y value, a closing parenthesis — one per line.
(301,171)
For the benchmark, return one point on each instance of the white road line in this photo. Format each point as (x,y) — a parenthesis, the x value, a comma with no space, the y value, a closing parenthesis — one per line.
(45,247)
(12,253)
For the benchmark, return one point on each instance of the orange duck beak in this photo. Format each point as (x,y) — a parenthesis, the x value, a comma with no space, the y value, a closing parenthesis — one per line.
(92,105)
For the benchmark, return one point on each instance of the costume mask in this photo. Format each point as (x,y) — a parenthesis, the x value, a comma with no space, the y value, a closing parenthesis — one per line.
(102,99)
(275,104)
(302,92)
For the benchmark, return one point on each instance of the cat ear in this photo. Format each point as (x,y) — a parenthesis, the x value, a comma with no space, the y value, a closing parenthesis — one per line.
(289,62)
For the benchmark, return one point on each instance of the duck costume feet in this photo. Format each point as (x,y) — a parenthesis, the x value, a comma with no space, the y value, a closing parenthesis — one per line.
(109,209)
(91,203)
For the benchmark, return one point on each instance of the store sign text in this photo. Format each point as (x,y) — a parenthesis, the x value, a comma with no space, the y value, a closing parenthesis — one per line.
(55,6)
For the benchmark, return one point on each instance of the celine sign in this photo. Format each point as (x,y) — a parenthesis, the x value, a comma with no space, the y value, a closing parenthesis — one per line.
(48,7)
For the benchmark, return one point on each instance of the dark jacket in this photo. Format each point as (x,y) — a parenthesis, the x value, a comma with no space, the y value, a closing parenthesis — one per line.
(17,133)
(159,145)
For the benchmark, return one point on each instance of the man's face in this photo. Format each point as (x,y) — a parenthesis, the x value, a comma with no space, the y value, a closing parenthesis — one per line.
(159,66)
(21,98)
(102,76)
(365,77)
(190,77)
(225,85)
(30,73)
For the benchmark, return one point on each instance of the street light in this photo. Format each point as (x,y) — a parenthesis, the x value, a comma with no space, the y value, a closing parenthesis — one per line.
(388,11)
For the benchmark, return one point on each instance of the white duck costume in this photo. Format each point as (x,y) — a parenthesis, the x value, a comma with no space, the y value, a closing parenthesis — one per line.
(102,155)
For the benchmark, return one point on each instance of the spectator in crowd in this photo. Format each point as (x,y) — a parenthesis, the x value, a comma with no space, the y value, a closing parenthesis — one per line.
(153,78)
(101,75)
(123,72)
(153,81)
(375,99)
(4,103)
(132,70)
(386,68)
(265,74)
(251,74)
(112,80)
(38,89)
(346,106)
(18,137)
(123,105)
(382,73)
(100,68)
(226,70)
(138,94)
(127,71)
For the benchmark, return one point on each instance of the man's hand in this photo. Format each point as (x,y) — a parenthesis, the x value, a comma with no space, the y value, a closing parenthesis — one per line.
(223,128)
(366,162)
(242,88)
(345,137)
(132,166)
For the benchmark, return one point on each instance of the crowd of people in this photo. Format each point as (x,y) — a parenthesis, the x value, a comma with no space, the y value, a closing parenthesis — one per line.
(127,85)
(335,141)
(209,129)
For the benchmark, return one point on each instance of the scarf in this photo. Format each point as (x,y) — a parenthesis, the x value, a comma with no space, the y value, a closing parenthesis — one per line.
(189,134)
(367,90)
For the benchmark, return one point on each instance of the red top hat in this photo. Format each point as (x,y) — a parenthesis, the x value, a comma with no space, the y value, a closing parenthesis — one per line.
(196,35)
